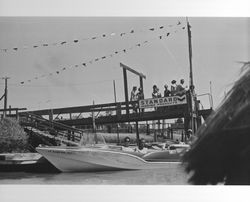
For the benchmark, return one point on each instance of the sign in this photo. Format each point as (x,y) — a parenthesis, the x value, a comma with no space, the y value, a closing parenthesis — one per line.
(163,101)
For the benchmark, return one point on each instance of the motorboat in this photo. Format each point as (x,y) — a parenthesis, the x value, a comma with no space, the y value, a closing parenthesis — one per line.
(104,157)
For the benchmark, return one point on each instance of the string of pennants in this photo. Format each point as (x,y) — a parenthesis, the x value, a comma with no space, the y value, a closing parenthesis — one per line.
(94,60)
(77,41)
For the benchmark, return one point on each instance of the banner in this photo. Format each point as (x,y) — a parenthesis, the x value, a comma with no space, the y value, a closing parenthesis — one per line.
(163,101)
(78,40)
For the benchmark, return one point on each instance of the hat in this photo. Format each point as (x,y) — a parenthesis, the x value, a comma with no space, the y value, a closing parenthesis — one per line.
(154,86)
(126,139)
(182,80)
(174,81)
(189,130)
(166,86)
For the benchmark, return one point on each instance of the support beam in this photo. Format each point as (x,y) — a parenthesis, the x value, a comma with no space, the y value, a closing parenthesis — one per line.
(137,133)
(132,70)
(126,89)
(141,85)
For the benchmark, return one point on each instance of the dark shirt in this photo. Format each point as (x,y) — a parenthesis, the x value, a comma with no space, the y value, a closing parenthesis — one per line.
(167,93)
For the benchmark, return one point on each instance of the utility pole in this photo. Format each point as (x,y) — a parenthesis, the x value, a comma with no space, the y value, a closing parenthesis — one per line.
(5,95)
(190,57)
(191,81)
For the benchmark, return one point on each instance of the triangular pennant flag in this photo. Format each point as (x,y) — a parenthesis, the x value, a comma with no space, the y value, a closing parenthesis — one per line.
(94,37)
(84,64)
(152,29)
(63,42)
(22,82)
(35,46)
(75,40)
(103,57)
(161,27)
(15,49)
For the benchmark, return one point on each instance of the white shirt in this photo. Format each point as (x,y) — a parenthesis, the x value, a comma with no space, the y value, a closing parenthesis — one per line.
(143,151)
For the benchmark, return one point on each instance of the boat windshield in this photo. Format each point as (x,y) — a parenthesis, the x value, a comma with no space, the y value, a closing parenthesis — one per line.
(92,139)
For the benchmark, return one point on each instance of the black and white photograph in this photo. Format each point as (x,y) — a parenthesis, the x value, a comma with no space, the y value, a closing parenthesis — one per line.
(147,101)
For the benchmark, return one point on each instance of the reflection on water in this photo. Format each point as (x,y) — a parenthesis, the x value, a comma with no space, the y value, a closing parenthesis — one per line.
(172,175)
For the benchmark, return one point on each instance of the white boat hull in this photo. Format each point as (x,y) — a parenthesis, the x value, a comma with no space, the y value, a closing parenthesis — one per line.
(96,159)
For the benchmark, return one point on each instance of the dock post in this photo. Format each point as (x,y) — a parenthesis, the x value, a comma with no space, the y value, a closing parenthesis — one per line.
(137,133)
(126,89)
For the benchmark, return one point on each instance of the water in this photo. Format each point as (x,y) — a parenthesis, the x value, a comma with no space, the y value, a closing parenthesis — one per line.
(172,175)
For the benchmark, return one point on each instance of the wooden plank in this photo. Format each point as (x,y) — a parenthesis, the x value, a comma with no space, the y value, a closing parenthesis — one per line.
(78,109)
(126,89)
(170,113)
(132,70)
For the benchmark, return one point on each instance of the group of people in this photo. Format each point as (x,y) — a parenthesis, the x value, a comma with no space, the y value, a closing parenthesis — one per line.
(136,95)
(140,149)
(174,89)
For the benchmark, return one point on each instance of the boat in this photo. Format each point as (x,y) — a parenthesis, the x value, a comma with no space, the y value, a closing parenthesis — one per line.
(25,162)
(104,157)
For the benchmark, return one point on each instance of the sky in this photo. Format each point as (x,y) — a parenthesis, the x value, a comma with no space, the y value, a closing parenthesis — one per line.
(217,44)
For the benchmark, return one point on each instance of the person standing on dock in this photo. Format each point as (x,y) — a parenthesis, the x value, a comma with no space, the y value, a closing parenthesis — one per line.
(167,92)
(133,97)
(180,89)
(156,93)
(140,95)
(173,87)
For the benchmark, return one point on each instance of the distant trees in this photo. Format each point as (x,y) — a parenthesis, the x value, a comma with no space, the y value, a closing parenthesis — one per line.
(12,136)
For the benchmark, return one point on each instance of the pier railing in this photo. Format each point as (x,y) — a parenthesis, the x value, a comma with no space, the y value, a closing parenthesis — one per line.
(53,128)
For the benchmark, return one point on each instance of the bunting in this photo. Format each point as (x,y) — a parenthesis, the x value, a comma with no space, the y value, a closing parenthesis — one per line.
(104,57)
(76,41)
